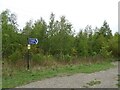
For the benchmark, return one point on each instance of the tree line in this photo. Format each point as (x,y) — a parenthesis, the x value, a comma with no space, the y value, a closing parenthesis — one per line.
(57,39)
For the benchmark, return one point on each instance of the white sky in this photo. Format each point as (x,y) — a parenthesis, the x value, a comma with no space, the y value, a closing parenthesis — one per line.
(79,12)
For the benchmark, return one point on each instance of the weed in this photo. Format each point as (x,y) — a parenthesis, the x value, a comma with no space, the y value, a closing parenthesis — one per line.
(85,86)
(118,84)
(94,82)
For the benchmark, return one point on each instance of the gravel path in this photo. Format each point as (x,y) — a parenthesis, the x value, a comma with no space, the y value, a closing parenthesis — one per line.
(106,79)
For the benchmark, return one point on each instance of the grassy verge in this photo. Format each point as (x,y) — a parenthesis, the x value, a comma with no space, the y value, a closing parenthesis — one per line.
(24,77)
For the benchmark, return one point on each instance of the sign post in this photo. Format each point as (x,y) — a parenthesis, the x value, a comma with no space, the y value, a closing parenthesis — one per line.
(30,42)
(28,63)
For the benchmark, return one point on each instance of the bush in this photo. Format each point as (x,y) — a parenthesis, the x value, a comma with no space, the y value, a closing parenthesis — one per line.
(63,58)
(39,58)
(43,60)
(104,52)
(15,56)
(59,57)
(67,58)
(48,57)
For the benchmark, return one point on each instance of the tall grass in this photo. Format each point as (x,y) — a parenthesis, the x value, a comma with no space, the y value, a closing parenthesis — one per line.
(47,61)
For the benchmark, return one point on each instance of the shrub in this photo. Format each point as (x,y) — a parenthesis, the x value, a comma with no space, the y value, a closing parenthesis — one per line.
(15,56)
(38,58)
(104,52)
(67,57)
(63,58)
(48,57)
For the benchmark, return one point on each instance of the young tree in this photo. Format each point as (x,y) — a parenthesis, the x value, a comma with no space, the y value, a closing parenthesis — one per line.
(39,31)
(105,30)
(82,43)
(9,33)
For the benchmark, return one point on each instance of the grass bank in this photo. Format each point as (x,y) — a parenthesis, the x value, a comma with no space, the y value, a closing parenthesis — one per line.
(23,77)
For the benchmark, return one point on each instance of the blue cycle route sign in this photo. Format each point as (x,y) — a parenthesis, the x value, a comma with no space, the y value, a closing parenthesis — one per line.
(33,41)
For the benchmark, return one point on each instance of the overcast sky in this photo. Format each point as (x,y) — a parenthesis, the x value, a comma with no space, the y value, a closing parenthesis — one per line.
(79,12)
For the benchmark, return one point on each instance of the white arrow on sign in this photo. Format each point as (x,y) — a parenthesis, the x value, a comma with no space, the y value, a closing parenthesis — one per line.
(36,41)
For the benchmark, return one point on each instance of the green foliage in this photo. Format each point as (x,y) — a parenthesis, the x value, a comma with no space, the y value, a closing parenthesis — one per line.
(60,36)
(82,45)
(104,52)
(15,56)
(67,58)
(39,58)
(114,45)
(105,30)
(49,57)
(9,28)
(57,38)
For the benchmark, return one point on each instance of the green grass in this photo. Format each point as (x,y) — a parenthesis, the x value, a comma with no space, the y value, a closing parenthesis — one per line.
(23,77)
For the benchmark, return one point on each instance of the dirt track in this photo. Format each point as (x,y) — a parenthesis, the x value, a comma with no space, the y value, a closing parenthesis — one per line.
(107,79)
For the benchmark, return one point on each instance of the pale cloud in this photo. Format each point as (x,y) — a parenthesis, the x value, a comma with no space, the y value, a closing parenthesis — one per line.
(79,12)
